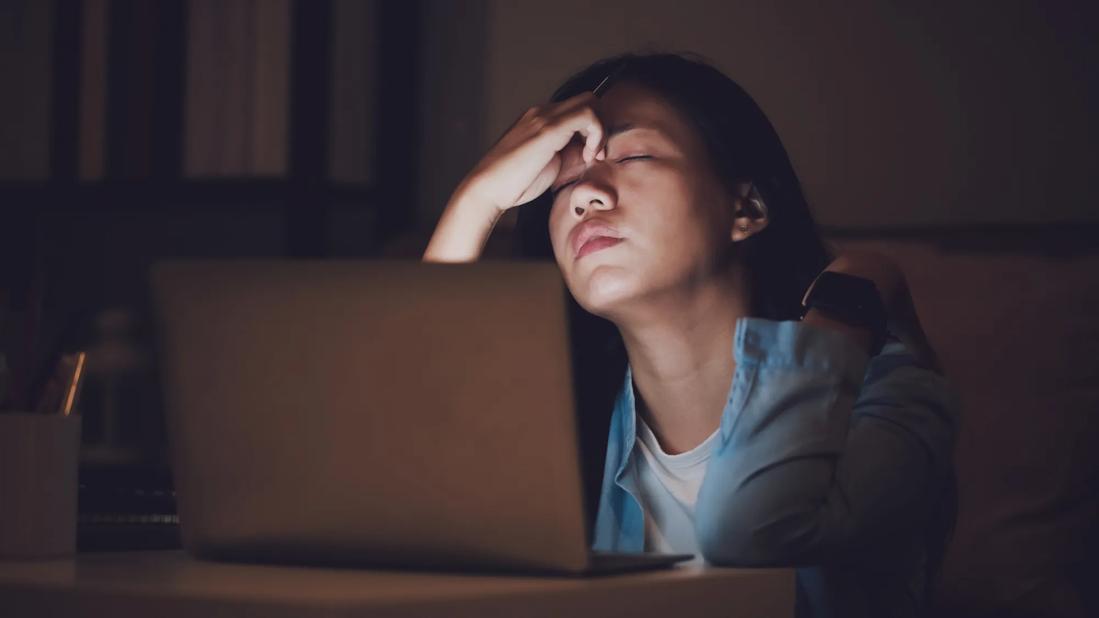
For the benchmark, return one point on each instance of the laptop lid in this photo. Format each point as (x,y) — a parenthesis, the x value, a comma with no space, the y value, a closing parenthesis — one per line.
(373,412)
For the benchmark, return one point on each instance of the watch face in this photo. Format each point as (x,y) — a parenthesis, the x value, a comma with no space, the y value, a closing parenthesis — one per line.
(852,300)
(849,299)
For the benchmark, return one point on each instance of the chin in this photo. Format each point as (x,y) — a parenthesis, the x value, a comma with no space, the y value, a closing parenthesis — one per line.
(603,290)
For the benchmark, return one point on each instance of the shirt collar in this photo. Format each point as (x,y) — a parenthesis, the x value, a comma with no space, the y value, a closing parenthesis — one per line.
(626,409)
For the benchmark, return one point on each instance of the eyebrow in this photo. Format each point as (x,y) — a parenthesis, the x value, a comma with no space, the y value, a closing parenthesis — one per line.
(626,126)
(622,128)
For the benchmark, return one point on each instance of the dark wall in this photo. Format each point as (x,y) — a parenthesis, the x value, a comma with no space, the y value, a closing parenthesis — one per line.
(895,113)
(139,131)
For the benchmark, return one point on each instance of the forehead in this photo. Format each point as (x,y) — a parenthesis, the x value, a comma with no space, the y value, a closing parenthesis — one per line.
(628,104)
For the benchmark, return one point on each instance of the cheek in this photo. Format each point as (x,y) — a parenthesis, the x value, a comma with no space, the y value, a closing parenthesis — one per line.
(676,218)
(681,235)
(557,231)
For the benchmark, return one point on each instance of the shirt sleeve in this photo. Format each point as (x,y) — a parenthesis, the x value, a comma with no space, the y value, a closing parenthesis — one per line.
(825,453)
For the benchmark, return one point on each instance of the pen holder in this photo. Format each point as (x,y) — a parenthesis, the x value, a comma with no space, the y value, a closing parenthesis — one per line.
(38,468)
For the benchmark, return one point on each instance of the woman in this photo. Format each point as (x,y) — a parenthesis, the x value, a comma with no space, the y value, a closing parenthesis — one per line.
(741,430)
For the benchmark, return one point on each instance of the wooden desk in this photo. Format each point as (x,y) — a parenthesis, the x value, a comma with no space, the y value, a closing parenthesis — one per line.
(167,584)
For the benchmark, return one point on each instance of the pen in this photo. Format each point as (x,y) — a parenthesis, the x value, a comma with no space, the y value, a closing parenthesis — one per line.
(607,83)
(61,391)
(74,385)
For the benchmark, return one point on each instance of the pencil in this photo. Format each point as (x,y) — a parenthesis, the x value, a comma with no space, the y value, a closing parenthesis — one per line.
(607,83)
(74,384)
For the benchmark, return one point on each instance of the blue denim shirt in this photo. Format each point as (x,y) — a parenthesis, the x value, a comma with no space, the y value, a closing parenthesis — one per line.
(828,460)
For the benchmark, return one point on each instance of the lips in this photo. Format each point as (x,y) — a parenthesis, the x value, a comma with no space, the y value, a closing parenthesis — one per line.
(597,244)
(591,236)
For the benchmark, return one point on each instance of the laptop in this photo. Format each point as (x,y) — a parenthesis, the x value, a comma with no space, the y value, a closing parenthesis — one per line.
(375,413)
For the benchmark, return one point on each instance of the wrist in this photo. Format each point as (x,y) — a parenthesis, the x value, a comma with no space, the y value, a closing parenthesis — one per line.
(463,229)
(849,303)
(876,268)
(862,336)
(472,202)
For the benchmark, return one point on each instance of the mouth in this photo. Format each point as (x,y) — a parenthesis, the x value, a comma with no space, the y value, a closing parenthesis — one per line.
(591,236)
(597,243)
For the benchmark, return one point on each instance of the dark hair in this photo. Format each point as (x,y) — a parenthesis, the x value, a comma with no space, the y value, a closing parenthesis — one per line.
(781,260)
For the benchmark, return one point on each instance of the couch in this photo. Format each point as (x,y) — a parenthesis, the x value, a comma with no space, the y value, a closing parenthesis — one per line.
(1015,319)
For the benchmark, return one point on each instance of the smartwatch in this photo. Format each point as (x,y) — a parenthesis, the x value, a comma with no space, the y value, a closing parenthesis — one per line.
(852,300)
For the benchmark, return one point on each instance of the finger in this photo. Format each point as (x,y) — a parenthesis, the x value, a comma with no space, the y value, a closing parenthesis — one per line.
(577,115)
(585,122)
(593,142)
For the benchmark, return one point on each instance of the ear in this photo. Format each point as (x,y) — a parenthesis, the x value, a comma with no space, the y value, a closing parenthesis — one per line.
(750,212)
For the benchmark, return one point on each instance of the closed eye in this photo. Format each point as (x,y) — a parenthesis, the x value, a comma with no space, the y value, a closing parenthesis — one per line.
(554,192)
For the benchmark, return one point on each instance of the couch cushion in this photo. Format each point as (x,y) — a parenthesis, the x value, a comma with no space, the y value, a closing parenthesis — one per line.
(1019,336)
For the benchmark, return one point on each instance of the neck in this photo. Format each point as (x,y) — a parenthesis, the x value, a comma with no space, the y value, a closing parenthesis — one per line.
(680,348)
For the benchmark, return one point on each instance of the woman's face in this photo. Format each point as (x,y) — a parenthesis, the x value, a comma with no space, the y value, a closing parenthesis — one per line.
(650,219)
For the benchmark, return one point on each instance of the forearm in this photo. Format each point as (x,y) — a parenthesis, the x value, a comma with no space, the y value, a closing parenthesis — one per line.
(813,468)
(892,287)
(906,328)
(764,498)
(830,500)
(862,337)
(463,229)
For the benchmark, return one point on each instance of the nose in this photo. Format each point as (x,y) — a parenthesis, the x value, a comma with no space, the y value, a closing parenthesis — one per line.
(592,194)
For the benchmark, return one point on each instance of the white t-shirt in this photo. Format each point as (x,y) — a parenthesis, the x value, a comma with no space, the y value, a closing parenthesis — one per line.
(669,485)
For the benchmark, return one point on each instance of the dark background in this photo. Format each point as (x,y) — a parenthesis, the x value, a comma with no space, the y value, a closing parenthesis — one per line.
(134,131)
(337,128)
(137,130)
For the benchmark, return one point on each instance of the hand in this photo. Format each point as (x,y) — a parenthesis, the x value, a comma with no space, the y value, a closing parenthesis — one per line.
(527,159)
(517,169)
(892,286)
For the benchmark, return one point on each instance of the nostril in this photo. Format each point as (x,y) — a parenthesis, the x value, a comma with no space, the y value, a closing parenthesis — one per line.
(580,211)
